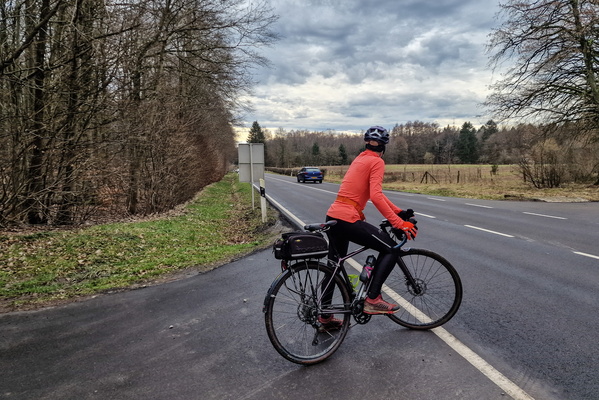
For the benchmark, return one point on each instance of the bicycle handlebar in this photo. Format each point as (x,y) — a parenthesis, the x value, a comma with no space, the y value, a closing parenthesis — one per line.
(397,232)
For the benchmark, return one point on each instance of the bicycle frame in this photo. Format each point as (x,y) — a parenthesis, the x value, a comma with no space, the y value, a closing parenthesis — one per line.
(359,294)
(428,290)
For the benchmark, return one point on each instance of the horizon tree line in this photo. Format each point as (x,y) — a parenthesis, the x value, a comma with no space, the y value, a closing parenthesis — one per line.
(547,156)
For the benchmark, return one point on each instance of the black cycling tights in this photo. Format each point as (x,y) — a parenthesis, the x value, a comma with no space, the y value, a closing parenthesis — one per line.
(364,234)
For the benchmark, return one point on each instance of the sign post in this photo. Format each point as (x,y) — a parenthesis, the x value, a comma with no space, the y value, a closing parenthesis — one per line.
(263,199)
(251,163)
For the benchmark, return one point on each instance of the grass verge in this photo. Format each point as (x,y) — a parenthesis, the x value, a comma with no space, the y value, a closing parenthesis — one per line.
(50,267)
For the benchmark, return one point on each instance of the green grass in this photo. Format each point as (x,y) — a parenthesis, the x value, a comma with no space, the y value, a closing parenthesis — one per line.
(52,266)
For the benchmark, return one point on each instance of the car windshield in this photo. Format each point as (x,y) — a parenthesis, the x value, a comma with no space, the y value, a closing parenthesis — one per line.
(312,170)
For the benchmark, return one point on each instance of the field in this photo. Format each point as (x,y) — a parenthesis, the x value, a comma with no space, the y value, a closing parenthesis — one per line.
(471,181)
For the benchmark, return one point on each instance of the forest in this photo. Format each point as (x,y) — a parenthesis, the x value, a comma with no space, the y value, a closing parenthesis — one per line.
(111,109)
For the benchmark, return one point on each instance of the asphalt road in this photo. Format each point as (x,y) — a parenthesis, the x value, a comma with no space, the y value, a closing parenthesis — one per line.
(529,314)
(530,274)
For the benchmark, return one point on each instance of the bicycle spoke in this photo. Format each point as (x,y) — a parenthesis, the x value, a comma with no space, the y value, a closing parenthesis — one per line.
(293,308)
(436,296)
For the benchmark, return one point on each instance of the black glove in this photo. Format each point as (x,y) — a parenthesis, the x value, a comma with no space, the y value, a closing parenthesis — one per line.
(406,214)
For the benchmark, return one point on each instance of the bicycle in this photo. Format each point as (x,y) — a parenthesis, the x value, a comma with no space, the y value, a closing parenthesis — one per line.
(426,286)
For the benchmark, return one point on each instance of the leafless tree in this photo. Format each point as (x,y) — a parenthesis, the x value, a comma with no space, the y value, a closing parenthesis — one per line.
(551,51)
(120,107)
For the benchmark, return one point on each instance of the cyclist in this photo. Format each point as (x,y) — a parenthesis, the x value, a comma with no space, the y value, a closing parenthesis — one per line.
(362,182)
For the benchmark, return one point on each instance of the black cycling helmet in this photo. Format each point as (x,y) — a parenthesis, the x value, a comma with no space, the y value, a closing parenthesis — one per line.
(377,133)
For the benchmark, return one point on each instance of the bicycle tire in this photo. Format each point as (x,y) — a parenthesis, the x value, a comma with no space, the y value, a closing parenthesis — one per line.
(291,310)
(441,290)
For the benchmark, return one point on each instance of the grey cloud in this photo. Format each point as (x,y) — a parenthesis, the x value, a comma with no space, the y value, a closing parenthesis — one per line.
(346,40)
(409,44)
(442,49)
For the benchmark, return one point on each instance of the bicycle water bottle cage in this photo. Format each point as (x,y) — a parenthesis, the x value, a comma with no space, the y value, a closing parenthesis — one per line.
(367,270)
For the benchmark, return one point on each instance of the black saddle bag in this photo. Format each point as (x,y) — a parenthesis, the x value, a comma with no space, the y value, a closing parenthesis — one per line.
(297,245)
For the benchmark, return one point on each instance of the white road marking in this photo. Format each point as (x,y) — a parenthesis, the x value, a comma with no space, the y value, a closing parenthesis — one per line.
(468,354)
(484,367)
(543,215)
(586,255)
(313,188)
(298,221)
(478,205)
(489,231)
(425,215)
(434,198)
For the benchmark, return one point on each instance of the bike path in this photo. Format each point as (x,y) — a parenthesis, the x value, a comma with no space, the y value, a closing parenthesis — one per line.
(203,337)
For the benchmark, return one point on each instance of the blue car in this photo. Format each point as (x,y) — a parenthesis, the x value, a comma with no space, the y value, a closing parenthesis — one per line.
(309,174)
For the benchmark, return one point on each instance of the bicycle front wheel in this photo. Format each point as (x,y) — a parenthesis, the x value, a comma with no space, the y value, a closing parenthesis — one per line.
(293,306)
(437,293)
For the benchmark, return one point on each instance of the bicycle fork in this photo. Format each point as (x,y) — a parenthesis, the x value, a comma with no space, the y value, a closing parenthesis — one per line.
(410,280)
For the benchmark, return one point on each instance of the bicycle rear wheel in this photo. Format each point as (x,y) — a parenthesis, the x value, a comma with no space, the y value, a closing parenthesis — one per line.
(293,305)
(436,297)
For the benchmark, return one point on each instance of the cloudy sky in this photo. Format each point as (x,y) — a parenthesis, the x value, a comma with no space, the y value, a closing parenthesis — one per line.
(345,65)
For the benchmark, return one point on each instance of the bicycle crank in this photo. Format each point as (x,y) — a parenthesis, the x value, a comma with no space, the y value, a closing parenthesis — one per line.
(358,313)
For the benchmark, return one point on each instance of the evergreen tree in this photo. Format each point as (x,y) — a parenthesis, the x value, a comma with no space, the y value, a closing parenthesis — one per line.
(486,148)
(315,153)
(488,130)
(342,155)
(256,134)
(315,150)
(467,144)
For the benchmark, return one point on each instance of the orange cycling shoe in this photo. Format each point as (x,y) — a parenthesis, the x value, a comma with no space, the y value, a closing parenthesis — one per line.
(329,323)
(379,306)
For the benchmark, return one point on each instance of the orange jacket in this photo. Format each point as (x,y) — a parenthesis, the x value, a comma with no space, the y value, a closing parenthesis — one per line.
(362,182)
